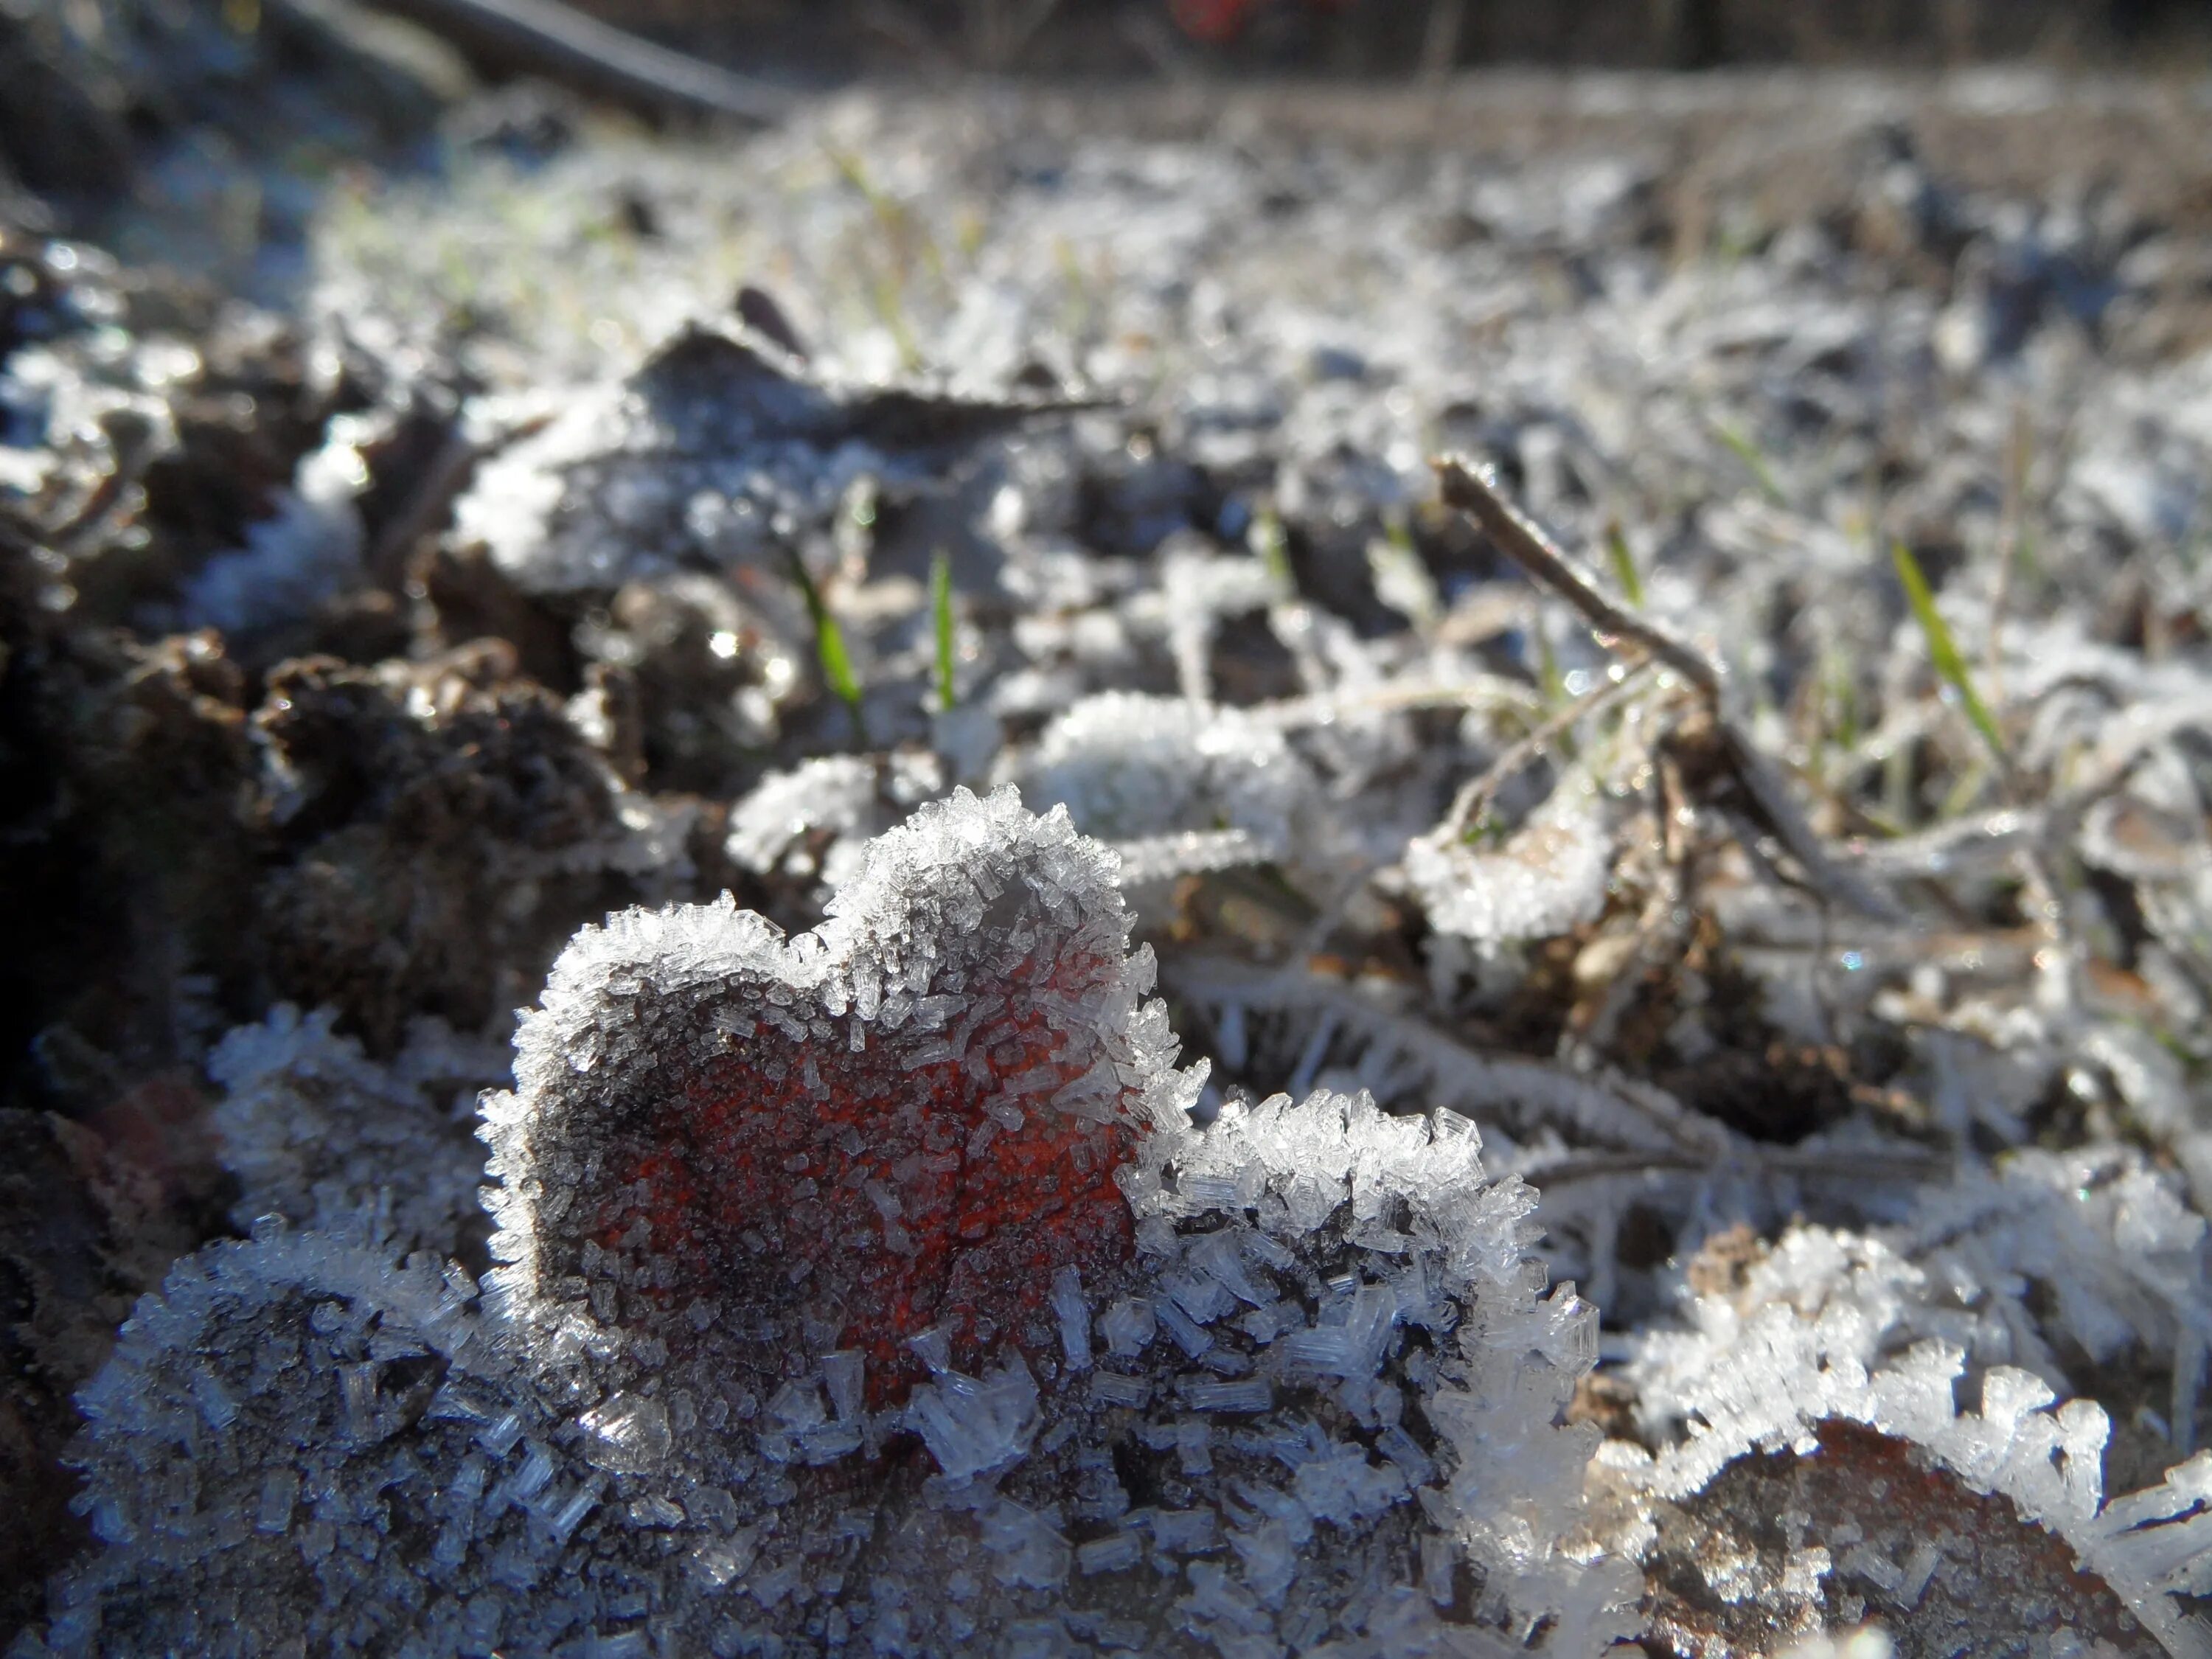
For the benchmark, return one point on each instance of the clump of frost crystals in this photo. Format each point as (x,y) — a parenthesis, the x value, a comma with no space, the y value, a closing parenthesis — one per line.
(1179,786)
(1547,877)
(297,1444)
(701,458)
(1372,1323)
(818,817)
(320,1134)
(307,552)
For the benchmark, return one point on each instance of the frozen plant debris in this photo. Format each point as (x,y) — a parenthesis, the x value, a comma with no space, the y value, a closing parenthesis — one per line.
(307,552)
(294,1439)
(712,455)
(1543,879)
(1410,1372)
(1832,1334)
(818,817)
(728,1142)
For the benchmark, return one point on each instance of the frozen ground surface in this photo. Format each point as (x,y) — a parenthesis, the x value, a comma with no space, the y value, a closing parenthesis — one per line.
(1665,1103)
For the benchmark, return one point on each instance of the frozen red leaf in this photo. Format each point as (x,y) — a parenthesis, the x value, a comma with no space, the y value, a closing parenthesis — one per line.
(907,1120)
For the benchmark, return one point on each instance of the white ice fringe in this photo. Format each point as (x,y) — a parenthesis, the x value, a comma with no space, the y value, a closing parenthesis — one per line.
(1433,1244)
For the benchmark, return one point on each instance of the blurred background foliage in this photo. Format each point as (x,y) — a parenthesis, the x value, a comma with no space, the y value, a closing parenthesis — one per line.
(1394,38)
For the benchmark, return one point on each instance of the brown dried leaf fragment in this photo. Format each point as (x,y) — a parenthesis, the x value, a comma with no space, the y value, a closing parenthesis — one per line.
(1778,1547)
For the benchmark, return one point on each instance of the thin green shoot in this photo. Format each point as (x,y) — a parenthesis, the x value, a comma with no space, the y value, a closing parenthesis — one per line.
(1487,830)
(1960,799)
(1883,823)
(1624,563)
(941,609)
(1840,691)
(908,234)
(1942,651)
(1269,540)
(1754,461)
(829,647)
(889,301)
(1553,682)
(889,275)
(1897,789)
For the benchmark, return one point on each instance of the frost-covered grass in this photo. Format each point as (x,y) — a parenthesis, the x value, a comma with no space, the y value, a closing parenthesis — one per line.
(1683,936)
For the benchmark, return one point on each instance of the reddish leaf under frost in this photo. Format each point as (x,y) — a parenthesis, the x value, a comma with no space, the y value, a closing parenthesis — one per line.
(1780,1545)
(910,1118)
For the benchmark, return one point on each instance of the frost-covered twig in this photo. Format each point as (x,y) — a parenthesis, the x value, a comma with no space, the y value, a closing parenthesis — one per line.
(1465,487)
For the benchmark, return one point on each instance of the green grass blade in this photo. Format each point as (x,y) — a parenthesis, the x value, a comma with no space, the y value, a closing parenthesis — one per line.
(1624,564)
(1268,538)
(829,644)
(940,608)
(1942,650)
(1754,461)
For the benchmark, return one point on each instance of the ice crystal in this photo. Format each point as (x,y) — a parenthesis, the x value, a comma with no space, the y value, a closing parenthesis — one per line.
(1369,1297)
(1548,876)
(308,551)
(820,815)
(295,1442)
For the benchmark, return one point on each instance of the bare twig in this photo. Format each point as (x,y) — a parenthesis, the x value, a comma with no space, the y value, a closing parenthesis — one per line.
(1467,489)
(1770,800)
(1440,42)
(1473,692)
(425,508)
(549,38)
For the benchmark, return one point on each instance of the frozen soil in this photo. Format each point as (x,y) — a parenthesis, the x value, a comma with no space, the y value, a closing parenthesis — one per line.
(602,520)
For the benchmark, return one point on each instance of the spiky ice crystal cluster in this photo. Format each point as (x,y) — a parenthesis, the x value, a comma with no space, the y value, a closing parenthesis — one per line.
(1549,876)
(820,815)
(1352,1272)
(871,1291)
(315,1130)
(280,1459)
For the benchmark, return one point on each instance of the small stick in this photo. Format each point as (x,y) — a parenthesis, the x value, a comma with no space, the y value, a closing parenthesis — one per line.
(1466,488)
